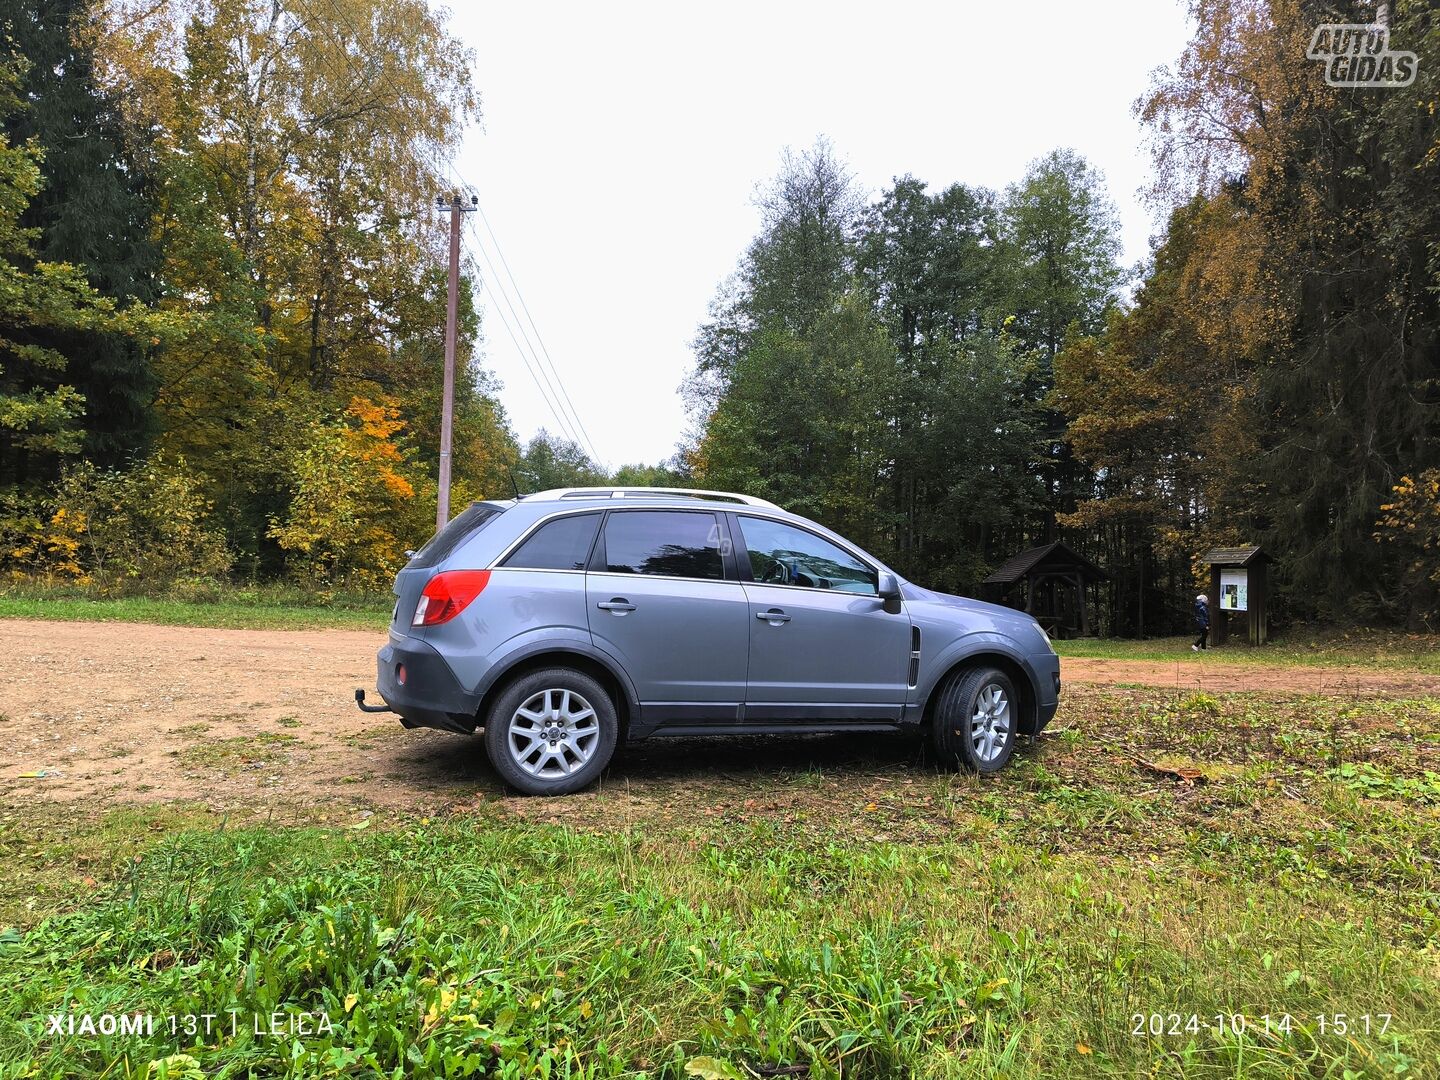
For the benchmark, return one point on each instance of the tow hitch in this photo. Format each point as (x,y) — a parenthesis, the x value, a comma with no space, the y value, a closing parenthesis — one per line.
(360,701)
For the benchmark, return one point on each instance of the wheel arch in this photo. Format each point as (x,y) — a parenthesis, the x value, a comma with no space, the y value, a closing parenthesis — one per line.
(554,655)
(1028,723)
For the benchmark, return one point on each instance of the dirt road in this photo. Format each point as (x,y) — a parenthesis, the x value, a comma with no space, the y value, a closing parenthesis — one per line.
(125,712)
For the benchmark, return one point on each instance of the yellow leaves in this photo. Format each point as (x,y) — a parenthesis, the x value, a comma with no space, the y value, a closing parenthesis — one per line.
(710,1068)
(1413,521)
(439,1009)
(1081,1048)
(377,421)
(396,484)
(354,509)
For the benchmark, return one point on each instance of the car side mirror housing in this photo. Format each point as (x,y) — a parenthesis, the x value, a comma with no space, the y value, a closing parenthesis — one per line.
(887,587)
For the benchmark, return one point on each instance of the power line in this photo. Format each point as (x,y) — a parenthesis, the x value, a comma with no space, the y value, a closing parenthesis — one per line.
(526,308)
(570,429)
(575,430)
(559,413)
(452,318)
(495,289)
(528,367)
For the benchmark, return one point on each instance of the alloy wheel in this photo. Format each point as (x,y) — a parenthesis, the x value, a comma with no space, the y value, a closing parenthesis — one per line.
(553,734)
(990,726)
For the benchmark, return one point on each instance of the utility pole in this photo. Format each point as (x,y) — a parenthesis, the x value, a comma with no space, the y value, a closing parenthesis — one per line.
(452,316)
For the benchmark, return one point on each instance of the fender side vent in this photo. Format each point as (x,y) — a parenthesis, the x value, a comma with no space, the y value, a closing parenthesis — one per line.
(914,677)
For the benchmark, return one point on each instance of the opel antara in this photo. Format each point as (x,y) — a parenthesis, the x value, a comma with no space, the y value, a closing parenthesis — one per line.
(563,622)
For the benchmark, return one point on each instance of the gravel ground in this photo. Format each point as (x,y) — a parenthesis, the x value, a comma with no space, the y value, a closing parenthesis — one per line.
(116,713)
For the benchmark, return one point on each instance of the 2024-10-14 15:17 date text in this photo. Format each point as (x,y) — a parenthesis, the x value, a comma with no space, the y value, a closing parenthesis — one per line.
(1162,1024)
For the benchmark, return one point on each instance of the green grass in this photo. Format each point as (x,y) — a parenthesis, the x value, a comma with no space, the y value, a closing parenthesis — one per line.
(1358,648)
(250,609)
(811,909)
(259,748)
(485,949)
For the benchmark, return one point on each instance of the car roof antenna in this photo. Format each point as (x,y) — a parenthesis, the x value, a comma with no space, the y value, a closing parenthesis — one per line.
(514,486)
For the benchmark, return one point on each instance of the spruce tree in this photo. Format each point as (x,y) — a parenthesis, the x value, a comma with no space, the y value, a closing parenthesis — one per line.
(92,211)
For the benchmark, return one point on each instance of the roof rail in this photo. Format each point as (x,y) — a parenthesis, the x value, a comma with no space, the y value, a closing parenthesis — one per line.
(648,492)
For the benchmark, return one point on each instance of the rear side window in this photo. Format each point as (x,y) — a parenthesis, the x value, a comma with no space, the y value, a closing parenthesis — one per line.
(562,544)
(461,527)
(667,543)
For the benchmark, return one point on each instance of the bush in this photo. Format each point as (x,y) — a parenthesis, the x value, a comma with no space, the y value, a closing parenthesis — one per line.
(145,527)
(24,532)
(352,501)
(1412,523)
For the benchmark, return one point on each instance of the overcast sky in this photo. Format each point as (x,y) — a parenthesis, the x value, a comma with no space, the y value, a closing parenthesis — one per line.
(621,145)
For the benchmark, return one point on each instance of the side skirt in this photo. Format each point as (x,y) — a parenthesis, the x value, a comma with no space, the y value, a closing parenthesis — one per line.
(767,728)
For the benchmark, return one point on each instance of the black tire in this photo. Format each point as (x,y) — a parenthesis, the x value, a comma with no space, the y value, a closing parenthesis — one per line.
(586,755)
(958,705)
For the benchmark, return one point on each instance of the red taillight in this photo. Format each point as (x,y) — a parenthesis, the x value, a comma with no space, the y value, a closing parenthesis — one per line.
(448,594)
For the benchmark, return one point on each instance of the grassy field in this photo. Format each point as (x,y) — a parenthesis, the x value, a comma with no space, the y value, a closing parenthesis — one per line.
(263,608)
(782,908)
(275,607)
(1356,648)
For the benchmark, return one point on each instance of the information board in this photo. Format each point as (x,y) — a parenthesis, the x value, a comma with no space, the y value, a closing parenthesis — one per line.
(1233,587)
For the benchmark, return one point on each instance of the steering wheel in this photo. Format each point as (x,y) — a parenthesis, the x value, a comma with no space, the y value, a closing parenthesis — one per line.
(777,574)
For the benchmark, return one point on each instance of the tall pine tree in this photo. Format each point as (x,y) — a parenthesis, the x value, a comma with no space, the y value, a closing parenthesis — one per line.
(91,211)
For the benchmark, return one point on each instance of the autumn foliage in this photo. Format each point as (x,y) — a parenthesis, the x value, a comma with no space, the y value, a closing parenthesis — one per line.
(248,240)
(221,292)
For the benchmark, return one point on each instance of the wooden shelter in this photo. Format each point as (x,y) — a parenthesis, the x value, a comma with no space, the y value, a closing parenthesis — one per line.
(1239,583)
(1053,580)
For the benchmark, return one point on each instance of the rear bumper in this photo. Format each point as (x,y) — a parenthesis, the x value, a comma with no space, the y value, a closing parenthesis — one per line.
(431,696)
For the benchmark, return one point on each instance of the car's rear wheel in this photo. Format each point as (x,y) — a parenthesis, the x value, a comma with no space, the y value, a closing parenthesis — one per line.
(551,732)
(975,719)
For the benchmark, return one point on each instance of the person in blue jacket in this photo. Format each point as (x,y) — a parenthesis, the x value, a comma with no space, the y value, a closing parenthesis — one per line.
(1202,621)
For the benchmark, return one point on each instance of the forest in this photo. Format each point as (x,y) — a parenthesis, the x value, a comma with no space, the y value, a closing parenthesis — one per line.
(222,311)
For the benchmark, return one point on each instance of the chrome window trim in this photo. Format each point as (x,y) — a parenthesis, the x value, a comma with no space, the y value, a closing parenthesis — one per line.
(621,574)
(575,511)
(663,577)
(812,588)
(713,510)
(533,570)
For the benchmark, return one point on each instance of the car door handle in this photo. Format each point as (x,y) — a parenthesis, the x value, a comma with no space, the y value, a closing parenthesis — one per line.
(619,605)
(774,615)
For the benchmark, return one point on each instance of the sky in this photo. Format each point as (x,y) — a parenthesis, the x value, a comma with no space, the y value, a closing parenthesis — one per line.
(620,147)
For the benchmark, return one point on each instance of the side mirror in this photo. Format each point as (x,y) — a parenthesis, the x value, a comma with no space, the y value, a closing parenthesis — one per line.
(887,587)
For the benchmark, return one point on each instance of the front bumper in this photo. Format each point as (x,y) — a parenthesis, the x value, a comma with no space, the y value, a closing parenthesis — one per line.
(430,696)
(1046,667)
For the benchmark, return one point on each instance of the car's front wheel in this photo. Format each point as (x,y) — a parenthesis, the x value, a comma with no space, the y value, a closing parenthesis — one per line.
(551,732)
(975,719)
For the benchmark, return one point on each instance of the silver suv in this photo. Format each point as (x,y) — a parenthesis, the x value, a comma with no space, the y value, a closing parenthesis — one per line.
(565,621)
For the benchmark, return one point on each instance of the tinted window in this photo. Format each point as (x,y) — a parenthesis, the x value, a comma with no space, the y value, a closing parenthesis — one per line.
(461,527)
(562,544)
(781,554)
(665,542)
